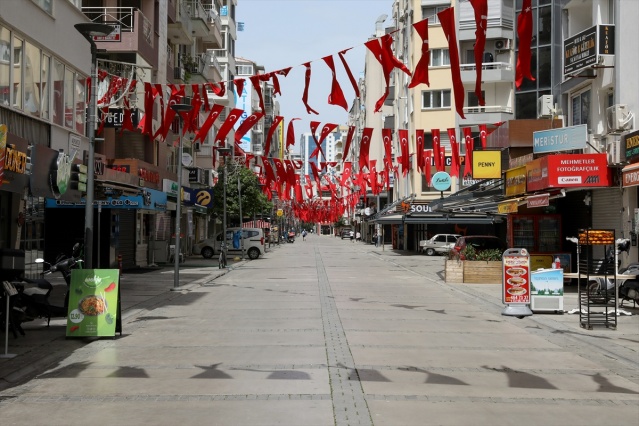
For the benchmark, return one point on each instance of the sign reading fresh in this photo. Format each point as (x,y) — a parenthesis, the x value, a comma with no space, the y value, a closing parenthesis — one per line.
(93,303)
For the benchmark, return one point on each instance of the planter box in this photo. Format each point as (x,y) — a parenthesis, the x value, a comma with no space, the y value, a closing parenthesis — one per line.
(472,271)
(482,272)
(454,271)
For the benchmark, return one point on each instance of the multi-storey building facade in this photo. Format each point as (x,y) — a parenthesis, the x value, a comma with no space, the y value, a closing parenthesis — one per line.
(161,42)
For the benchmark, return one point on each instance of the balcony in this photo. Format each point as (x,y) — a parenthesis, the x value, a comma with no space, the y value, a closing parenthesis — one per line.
(201,68)
(488,114)
(181,31)
(199,18)
(492,72)
(136,29)
(170,61)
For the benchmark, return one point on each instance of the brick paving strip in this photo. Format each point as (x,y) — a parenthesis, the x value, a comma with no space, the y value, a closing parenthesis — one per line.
(349,402)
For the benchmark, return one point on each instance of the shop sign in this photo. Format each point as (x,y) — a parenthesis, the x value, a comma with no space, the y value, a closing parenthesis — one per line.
(115,35)
(197,175)
(93,303)
(149,199)
(486,164)
(583,49)
(115,117)
(51,174)
(420,208)
(170,187)
(508,207)
(516,277)
(201,197)
(630,175)
(562,139)
(515,181)
(441,181)
(568,171)
(538,200)
(631,142)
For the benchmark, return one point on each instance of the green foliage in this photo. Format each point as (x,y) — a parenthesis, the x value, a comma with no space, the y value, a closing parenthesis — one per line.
(470,253)
(254,202)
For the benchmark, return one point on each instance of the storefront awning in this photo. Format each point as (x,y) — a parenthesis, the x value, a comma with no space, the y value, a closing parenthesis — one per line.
(391,219)
(440,218)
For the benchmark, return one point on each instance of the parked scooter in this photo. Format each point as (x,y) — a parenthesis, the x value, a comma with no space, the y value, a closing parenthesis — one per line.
(33,295)
(629,289)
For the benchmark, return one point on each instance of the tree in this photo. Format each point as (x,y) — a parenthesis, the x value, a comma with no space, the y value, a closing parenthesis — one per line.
(254,202)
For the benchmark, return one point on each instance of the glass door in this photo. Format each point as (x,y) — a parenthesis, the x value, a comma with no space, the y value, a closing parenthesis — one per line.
(524,232)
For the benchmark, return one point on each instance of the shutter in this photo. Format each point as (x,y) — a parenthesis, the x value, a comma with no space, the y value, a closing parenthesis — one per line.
(130,145)
(606,203)
(127,238)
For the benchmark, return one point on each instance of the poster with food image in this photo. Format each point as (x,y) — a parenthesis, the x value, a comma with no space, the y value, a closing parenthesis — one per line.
(93,303)
(516,279)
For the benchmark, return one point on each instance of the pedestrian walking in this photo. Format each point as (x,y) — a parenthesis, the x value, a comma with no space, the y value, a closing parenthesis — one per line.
(376,239)
(352,235)
(358,236)
(304,235)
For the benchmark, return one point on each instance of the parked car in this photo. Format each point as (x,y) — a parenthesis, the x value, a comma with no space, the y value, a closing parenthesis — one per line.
(438,244)
(253,243)
(479,242)
(346,233)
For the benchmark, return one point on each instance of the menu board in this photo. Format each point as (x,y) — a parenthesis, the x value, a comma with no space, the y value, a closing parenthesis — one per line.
(516,279)
(93,303)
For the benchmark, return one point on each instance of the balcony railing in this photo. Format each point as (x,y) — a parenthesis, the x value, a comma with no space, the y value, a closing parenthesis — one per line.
(488,109)
(504,66)
(125,16)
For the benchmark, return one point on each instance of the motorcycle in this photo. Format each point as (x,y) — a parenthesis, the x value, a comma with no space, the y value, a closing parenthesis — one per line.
(628,290)
(33,294)
(291,237)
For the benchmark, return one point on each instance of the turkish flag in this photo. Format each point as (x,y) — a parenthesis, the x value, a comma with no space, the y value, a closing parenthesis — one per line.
(215,112)
(337,95)
(387,139)
(447,20)
(420,74)
(225,128)
(349,139)
(255,80)
(290,133)
(482,135)
(481,17)
(403,145)
(468,143)
(348,71)
(454,148)
(307,81)
(246,125)
(419,140)
(276,122)
(364,147)
(427,164)
(524,32)
(436,148)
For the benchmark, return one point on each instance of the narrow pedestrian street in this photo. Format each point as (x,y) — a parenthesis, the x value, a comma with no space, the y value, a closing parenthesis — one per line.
(329,332)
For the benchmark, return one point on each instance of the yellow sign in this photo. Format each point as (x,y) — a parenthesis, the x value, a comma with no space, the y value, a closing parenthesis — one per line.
(280,212)
(486,164)
(515,181)
(508,207)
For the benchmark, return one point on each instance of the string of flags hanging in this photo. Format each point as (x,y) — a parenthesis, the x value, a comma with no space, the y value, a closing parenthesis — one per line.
(284,180)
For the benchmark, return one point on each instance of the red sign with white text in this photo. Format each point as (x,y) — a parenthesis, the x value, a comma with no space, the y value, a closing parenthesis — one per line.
(516,285)
(567,171)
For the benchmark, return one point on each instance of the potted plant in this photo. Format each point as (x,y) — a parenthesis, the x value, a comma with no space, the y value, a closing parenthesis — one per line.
(481,267)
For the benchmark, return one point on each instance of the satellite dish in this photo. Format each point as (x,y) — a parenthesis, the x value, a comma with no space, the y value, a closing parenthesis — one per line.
(187,159)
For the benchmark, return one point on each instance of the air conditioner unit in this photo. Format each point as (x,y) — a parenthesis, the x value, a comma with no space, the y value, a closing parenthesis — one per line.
(616,117)
(616,152)
(545,106)
(197,146)
(502,44)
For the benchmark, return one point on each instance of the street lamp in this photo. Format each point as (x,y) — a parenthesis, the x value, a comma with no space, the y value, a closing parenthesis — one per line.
(178,108)
(89,30)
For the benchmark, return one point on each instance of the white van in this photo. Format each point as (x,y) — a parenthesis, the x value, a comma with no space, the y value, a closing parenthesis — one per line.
(439,244)
(253,239)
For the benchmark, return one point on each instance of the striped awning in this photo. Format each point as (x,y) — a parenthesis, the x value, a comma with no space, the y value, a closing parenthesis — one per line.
(257,224)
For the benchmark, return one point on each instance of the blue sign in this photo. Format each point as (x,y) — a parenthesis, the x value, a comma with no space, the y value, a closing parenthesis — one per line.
(562,139)
(201,197)
(441,181)
(149,199)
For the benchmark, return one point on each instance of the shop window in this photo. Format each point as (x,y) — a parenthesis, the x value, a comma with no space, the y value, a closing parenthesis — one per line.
(45,87)
(32,79)
(58,92)
(69,107)
(5,66)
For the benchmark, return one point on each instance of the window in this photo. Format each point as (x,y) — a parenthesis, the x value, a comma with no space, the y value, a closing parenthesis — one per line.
(5,66)
(18,87)
(58,94)
(436,99)
(46,5)
(45,87)
(80,103)
(580,106)
(69,106)
(439,58)
(473,101)
(32,77)
(431,12)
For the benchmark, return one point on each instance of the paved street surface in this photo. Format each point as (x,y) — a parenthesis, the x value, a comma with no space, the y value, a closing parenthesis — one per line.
(323,332)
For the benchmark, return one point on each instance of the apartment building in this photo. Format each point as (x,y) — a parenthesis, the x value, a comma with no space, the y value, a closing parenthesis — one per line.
(161,42)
